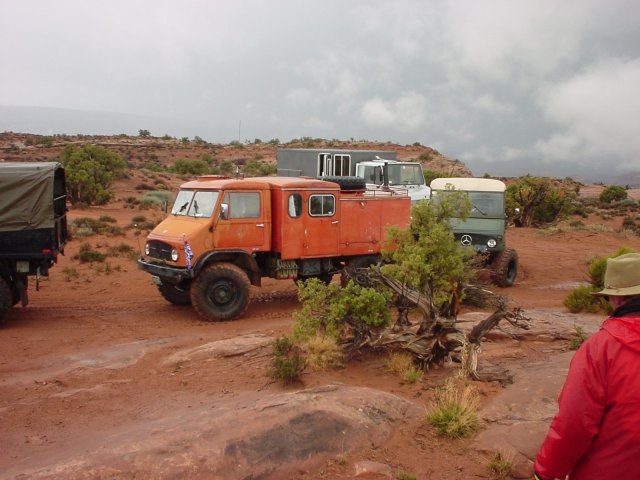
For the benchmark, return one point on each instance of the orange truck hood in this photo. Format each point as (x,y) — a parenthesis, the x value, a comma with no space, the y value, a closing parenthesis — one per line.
(175,228)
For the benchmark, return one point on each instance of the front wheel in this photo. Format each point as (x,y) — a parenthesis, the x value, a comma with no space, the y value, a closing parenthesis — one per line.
(220,292)
(175,294)
(505,267)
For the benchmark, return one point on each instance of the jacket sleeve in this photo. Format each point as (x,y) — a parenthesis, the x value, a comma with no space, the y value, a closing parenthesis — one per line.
(581,408)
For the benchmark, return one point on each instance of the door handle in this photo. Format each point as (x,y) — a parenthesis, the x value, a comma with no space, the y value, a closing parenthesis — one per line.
(260,225)
(335,222)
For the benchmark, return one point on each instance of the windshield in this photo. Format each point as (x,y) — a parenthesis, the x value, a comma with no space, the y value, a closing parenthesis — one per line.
(486,204)
(403,174)
(483,204)
(195,203)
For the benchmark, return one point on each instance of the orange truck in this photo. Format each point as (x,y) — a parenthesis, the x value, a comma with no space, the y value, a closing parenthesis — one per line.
(225,234)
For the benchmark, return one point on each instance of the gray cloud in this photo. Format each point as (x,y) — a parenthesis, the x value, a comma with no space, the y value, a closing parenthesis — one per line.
(541,85)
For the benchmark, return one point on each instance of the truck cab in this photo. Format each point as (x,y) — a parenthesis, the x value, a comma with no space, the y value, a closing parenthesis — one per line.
(225,234)
(390,173)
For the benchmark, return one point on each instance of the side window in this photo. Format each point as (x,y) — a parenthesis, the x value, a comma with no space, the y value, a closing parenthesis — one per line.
(243,204)
(322,205)
(295,205)
(341,165)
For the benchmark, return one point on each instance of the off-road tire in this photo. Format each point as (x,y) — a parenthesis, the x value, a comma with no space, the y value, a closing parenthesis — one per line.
(16,292)
(347,183)
(220,292)
(6,298)
(175,294)
(505,267)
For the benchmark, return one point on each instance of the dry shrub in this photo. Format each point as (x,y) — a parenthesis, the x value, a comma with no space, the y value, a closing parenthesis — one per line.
(500,465)
(454,409)
(401,363)
(323,353)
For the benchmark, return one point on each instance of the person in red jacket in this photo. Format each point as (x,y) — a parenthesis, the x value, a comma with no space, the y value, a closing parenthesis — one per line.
(596,432)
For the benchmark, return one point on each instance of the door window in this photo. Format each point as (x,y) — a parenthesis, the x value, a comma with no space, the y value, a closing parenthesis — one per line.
(243,204)
(322,205)
(295,205)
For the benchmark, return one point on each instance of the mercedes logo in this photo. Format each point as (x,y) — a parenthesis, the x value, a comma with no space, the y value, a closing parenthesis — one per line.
(466,240)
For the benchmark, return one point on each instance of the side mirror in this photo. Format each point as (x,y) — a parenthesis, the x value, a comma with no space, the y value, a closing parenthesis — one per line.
(224,211)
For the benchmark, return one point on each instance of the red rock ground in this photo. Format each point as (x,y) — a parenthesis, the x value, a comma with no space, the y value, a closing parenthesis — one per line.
(88,357)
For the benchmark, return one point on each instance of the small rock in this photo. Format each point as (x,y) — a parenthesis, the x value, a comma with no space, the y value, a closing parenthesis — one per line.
(372,470)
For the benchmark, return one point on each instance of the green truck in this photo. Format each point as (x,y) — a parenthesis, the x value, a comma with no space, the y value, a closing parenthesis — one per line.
(33,226)
(484,229)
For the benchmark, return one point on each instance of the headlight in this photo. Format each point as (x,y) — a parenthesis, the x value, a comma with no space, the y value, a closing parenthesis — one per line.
(174,254)
(491,243)
(147,250)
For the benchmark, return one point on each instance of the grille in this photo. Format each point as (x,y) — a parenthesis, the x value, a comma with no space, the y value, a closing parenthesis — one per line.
(159,250)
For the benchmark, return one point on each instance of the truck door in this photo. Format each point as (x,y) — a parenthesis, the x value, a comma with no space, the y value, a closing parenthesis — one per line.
(243,223)
(322,226)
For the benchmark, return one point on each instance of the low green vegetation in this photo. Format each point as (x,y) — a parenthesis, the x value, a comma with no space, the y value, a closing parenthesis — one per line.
(578,338)
(288,362)
(534,201)
(454,410)
(499,465)
(580,299)
(82,227)
(613,194)
(401,364)
(90,171)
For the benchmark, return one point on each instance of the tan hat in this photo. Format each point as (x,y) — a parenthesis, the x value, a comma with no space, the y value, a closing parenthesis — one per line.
(622,277)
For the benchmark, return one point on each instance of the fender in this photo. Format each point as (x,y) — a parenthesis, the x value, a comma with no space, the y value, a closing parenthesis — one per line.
(237,257)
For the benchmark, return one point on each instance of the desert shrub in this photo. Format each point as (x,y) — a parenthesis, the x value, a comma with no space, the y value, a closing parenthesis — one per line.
(157,198)
(536,201)
(190,167)
(257,168)
(121,249)
(70,273)
(87,254)
(403,475)
(499,465)
(580,300)
(85,227)
(430,175)
(454,410)
(287,363)
(426,256)
(139,219)
(107,219)
(401,363)
(613,194)
(89,172)
(324,353)
(578,338)
(329,309)
(598,266)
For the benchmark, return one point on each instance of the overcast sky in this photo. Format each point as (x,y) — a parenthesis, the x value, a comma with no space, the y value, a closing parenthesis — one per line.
(508,87)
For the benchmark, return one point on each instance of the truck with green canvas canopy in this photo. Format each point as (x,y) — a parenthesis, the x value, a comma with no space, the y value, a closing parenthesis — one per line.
(33,226)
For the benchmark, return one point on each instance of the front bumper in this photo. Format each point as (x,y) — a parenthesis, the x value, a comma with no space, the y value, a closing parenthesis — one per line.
(171,274)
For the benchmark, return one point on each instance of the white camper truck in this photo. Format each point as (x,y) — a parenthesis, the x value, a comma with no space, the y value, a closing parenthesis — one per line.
(379,168)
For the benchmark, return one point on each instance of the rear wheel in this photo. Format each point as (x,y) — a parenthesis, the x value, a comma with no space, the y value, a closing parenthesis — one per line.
(176,294)
(220,292)
(505,267)
(6,298)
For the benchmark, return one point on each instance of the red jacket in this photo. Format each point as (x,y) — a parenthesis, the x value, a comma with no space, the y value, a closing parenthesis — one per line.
(596,433)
